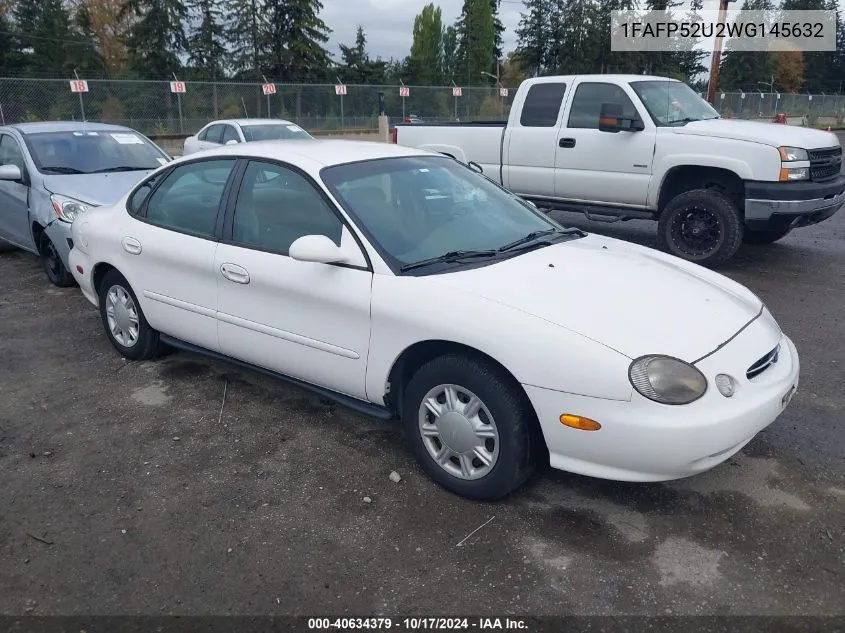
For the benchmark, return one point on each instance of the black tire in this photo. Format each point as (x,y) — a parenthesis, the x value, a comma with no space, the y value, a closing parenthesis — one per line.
(701,226)
(765,237)
(147,344)
(52,263)
(519,443)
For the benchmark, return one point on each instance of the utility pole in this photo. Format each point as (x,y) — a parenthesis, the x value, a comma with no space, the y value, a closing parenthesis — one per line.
(717,54)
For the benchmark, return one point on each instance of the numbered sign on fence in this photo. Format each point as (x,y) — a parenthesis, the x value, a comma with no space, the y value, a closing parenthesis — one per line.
(456,92)
(340,89)
(404,91)
(177,86)
(269,89)
(78,85)
(503,92)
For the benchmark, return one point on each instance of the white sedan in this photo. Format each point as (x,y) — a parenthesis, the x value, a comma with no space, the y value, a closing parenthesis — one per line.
(234,131)
(406,285)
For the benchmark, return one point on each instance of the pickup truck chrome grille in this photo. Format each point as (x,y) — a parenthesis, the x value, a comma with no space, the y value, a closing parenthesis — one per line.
(825,163)
(763,364)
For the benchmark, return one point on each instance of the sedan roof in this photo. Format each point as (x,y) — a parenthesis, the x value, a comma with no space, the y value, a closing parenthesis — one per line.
(68,126)
(322,152)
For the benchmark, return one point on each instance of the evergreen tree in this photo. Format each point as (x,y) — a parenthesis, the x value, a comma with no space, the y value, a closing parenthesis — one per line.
(205,43)
(294,40)
(426,59)
(357,67)
(85,55)
(25,16)
(533,36)
(7,59)
(742,70)
(449,53)
(157,36)
(246,35)
(476,42)
(498,28)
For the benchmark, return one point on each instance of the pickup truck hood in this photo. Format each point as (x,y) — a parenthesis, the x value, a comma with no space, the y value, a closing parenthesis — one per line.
(94,189)
(774,134)
(630,298)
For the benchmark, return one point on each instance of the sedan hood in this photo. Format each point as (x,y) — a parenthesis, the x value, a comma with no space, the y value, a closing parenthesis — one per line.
(774,134)
(630,298)
(95,189)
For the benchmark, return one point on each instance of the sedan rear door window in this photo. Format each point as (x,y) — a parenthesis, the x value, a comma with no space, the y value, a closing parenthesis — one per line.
(189,198)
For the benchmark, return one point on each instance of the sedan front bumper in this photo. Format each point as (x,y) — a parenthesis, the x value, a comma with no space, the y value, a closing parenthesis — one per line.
(641,440)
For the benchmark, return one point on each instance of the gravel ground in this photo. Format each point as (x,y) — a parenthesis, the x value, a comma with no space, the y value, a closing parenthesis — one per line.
(126,489)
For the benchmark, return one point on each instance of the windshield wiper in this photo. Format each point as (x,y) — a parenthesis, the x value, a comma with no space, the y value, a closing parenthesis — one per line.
(451,256)
(534,235)
(61,169)
(120,168)
(685,120)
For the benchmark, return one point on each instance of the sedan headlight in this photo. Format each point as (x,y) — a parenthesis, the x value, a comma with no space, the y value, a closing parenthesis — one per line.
(67,209)
(667,380)
(792,154)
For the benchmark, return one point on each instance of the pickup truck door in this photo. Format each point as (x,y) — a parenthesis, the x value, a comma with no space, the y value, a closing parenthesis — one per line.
(530,143)
(604,167)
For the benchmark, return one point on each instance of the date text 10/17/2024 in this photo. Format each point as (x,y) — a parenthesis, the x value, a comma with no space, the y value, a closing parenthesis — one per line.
(418,624)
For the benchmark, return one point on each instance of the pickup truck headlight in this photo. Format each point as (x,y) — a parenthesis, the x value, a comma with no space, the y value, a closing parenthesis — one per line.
(794,173)
(667,380)
(67,209)
(793,154)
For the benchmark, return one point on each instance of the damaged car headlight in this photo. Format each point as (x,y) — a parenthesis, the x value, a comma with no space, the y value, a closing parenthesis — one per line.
(67,209)
(667,380)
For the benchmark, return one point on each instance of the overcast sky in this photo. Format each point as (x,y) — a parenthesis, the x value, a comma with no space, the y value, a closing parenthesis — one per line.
(389,24)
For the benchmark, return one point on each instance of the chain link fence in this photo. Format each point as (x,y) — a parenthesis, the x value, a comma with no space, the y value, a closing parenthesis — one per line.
(756,105)
(151,108)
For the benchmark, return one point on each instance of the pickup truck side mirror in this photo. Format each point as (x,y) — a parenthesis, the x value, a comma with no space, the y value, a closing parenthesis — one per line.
(611,119)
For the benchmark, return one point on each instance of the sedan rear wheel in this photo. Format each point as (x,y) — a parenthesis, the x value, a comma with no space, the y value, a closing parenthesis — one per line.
(471,428)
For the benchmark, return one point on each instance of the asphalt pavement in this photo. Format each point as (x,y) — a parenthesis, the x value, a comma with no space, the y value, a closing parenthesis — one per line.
(138,488)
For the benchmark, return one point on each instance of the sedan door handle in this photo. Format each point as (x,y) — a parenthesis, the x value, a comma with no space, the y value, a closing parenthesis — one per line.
(131,245)
(567,142)
(235,273)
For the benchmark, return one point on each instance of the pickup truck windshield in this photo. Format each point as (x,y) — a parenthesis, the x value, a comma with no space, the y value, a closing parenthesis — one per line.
(88,152)
(672,102)
(420,208)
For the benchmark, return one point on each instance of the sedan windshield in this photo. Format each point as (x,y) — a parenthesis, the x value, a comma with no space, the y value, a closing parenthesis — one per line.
(673,102)
(427,212)
(273,132)
(89,152)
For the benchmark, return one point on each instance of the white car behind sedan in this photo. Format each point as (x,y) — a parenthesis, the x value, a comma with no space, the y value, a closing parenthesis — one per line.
(406,285)
(234,131)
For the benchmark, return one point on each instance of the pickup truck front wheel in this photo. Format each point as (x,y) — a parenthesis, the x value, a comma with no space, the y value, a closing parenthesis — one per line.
(701,226)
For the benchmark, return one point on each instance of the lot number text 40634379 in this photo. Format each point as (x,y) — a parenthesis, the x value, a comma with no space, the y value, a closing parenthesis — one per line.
(418,624)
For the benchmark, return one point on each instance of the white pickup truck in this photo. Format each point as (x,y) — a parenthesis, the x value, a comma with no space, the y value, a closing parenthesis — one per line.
(620,147)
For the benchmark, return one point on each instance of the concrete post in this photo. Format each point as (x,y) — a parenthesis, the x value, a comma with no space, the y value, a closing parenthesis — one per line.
(384,129)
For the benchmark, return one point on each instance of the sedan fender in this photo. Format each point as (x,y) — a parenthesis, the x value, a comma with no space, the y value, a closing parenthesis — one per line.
(533,350)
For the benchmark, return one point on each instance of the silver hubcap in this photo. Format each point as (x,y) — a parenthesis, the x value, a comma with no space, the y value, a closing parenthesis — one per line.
(122,316)
(458,432)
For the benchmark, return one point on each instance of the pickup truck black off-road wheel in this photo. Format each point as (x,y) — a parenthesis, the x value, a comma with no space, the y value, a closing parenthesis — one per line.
(124,321)
(701,226)
(765,237)
(471,429)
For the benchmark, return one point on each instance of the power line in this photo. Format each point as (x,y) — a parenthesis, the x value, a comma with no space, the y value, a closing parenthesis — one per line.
(45,39)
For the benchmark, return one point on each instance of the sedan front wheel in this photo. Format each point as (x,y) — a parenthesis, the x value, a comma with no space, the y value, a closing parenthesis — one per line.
(471,429)
(124,321)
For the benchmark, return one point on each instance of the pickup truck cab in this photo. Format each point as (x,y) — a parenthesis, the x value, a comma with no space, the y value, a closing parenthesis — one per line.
(621,147)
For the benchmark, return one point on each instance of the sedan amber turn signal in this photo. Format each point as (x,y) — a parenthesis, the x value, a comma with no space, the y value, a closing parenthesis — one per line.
(577,422)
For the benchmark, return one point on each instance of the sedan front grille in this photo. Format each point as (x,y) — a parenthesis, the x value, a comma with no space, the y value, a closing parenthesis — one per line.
(763,364)
(825,163)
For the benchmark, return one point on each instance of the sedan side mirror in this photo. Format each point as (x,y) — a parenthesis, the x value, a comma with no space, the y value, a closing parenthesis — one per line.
(11,172)
(231,141)
(317,248)
(611,119)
